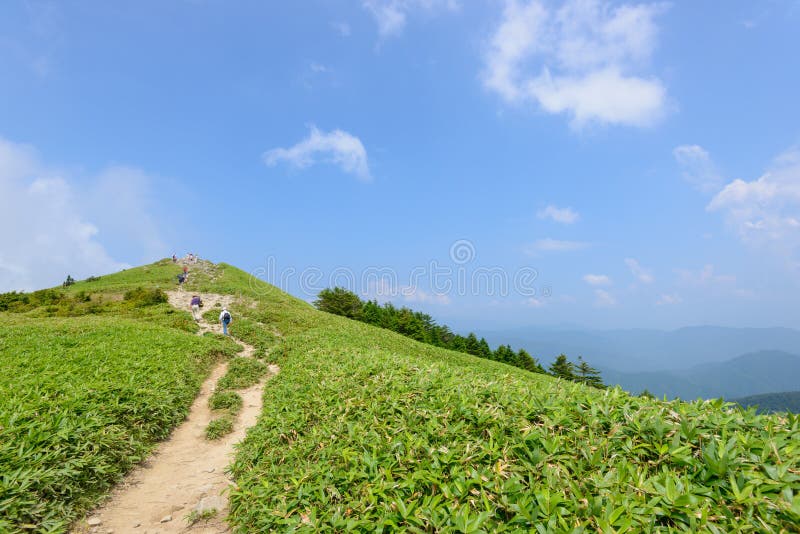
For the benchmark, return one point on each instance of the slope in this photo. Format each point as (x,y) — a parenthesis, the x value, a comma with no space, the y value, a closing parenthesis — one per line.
(364,429)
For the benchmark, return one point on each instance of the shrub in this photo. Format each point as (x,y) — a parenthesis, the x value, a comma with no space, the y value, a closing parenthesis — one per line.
(340,301)
(242,373)
(141,297)
(219,427)
(226,400)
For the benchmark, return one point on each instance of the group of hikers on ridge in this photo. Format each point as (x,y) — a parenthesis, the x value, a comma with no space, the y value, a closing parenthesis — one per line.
(225,317)
(190,258)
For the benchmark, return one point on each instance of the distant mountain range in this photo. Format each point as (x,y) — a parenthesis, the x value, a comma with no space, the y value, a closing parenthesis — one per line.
(692,362)
(750,374)
(787,401)
(640,350)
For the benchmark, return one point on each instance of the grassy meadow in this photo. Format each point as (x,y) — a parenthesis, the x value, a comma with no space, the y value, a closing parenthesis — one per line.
(364,429)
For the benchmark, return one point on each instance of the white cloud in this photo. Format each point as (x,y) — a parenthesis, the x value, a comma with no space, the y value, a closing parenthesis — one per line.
(415,294)
(668,299)
(553,245)
(697,168)
(604,299)
(59,228)
(559,215)
(391,15)
(533,302)
(641,274)
(579,59)
(597,279)
(704,277)
(765,211)
(337,147)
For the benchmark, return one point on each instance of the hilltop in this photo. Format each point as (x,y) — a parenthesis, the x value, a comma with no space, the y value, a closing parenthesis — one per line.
(363,429)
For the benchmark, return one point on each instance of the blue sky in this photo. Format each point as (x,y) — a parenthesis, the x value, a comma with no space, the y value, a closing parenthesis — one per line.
(643,159)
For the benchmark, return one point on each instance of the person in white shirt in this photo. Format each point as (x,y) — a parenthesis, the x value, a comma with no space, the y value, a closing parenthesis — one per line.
(225,318)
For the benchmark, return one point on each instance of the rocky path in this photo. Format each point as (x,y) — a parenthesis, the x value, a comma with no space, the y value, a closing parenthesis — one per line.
(185,476)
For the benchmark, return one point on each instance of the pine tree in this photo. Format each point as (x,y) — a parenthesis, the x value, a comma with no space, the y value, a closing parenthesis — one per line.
(562,368)
(473,345)
(486,350)
(339,301)
(588,374)
(529,362)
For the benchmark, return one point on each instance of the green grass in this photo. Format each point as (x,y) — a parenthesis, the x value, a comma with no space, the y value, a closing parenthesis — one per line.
(366,430)
(219,427)
(226,400)
(81,401)
(242,373)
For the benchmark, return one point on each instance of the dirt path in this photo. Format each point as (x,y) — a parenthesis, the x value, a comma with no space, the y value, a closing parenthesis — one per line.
(186,473)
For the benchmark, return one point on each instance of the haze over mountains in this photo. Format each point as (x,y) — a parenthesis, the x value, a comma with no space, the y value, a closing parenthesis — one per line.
(703,361)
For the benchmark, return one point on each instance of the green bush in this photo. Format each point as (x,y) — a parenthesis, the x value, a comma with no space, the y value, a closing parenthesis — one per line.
(242,373)
(141,297)
(226,400)
(219,427)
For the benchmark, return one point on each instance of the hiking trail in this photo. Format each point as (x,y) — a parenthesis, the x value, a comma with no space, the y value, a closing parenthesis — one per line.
(186,472)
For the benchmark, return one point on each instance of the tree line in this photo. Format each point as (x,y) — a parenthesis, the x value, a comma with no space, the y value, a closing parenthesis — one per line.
(422,327)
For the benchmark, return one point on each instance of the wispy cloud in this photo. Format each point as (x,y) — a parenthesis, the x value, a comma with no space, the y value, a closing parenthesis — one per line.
(534,302)
(765,211)
(668,299)
(697,168)
(604,299)
(703,277)
(415,294)
(584,59)
(391,15)
(597,279)
(63,227)
(335,147)
(641,274)
(559,215)
(553,245)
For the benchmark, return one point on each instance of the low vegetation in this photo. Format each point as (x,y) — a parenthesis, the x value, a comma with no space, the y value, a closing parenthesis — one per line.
(81,401)
(422,327)
(219,427)
(242,373)
(226,400)
(365,429)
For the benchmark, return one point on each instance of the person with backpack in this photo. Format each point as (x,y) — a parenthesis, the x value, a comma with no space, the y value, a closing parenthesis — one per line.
(196,304)
(226,319)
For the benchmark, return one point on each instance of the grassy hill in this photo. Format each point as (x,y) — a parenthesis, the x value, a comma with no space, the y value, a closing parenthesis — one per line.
(364,429)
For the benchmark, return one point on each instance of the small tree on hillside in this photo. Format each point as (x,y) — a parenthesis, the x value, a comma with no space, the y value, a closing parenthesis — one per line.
(588,374)
(562,368)
(340,301)
(529,362)
(69,281)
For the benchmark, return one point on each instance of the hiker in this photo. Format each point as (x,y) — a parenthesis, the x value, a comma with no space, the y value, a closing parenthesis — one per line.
(197,303)
(181,279)
(174,258)
(226,319)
